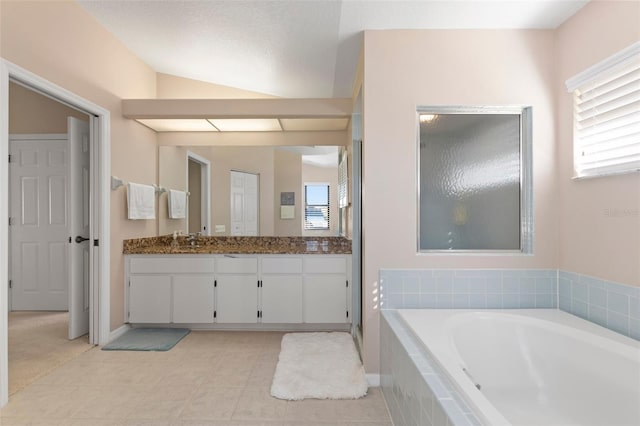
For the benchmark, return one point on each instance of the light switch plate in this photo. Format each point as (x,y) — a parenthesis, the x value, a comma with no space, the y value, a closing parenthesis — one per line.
(220,228)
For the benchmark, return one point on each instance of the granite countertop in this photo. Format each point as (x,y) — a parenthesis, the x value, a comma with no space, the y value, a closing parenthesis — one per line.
(238,245)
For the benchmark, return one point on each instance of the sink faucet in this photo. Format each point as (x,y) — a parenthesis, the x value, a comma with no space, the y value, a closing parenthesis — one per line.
(192,239)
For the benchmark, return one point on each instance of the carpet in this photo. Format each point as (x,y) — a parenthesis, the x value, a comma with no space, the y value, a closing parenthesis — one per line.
(147,339)
(318,365)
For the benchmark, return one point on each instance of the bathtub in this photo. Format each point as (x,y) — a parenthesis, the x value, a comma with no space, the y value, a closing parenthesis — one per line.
(533,366)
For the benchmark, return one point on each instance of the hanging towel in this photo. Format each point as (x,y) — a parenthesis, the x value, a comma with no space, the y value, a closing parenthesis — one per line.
(177,204)
(141,200)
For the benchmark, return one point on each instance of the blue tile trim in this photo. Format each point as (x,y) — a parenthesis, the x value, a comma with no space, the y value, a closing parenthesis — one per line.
(468,288)
(417,391)
(609,304)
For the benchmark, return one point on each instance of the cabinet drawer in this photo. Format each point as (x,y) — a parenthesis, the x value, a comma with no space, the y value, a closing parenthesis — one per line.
(319,264)
(282,265)
(170,265)
(237,265)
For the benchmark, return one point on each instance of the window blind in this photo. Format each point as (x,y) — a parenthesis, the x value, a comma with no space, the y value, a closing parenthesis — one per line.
(316,208)
(606,115)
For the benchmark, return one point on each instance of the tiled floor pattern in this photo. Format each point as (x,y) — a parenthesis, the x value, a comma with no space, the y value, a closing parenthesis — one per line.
(38,344)
(209,378)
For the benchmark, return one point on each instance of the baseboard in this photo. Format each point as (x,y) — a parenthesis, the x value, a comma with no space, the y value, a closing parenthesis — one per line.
(118,332)
(373,380)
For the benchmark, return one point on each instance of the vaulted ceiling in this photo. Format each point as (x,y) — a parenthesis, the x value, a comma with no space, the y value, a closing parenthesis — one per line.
(294,48)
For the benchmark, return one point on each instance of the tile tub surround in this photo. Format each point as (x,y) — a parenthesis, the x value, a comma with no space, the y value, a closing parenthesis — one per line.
(239,245)
(612,305)
(468,288)
(416,390)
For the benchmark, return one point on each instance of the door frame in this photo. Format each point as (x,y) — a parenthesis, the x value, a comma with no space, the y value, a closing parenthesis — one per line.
(205,189)
(100,119)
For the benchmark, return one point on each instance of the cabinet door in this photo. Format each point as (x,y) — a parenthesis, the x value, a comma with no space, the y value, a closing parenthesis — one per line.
(149,299)
(237,298)
(193,298)
(281,298)
(325,299)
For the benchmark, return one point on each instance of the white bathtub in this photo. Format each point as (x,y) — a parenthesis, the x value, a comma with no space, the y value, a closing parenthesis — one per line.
(534,366)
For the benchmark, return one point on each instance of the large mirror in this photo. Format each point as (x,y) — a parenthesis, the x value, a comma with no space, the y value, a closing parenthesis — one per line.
(250,190)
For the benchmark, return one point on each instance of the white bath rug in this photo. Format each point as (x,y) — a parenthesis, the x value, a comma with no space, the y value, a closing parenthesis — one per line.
(318,365)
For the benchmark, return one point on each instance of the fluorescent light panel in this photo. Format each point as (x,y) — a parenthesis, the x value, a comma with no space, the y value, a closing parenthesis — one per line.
(178,125)
(314,124)
(246,124)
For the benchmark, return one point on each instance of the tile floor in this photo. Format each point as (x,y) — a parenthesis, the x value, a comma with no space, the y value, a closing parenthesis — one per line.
(210,378)
(38,344)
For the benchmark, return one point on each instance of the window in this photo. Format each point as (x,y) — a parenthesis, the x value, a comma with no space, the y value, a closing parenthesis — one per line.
(474,179)
(606,115)
(316,206)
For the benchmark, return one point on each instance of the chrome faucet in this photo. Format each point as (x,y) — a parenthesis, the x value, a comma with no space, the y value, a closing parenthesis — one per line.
(192,239)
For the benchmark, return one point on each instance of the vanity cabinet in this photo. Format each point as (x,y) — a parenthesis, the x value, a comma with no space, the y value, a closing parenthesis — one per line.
(281,288)
(149,299)
(237,290)
(193,299)
(170,289)
(253,290)
(326,289)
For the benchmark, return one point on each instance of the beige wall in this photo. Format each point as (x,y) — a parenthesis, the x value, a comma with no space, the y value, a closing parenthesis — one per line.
(404,69)
(173,87)
(31,112)
(47,38)
(315,174)
(287,178)
(599,219)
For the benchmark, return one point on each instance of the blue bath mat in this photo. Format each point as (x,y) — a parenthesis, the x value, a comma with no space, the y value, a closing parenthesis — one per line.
(147,339)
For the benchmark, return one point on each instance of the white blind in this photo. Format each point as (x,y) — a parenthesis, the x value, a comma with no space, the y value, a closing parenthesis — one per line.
(607,116)
(343,200)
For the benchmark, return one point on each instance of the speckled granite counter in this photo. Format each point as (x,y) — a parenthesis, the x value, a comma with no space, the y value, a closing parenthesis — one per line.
(239,245)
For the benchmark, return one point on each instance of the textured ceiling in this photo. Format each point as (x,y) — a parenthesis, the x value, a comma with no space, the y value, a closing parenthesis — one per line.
(293,48)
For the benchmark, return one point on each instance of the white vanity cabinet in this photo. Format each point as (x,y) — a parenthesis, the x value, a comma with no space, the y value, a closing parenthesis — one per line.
(326,289)
(170,289)
(276,291)
(281,289)
(237,289)
(149,299)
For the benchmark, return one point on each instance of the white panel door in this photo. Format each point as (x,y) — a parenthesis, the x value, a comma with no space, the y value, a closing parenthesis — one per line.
(39,230)
(81,247)
(281,299)
(244,203)
(237,299)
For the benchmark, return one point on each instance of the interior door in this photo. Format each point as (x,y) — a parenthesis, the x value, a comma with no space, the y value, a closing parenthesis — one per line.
(39,222)
(244,203)
(80,245)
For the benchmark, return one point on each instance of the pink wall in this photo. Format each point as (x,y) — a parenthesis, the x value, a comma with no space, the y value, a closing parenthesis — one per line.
(60,42)
(599,218)
(404,69)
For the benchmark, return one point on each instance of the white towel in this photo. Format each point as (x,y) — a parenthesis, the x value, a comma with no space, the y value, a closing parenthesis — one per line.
(177,204)
(141,200)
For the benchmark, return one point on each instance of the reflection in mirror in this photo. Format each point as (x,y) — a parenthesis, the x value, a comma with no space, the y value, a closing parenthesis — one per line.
(278,169)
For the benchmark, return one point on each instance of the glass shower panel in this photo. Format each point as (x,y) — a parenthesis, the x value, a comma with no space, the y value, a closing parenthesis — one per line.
(470,182)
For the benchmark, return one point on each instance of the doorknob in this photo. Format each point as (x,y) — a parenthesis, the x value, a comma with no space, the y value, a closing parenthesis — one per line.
(80,239)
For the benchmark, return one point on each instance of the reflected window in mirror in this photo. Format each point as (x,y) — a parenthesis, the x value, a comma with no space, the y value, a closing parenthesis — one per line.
(474,179)
(316,206)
